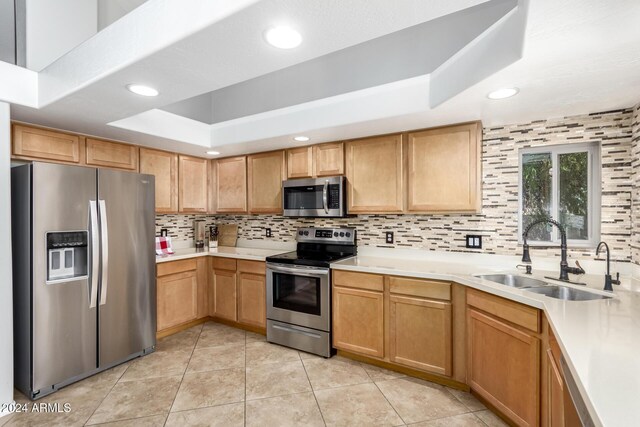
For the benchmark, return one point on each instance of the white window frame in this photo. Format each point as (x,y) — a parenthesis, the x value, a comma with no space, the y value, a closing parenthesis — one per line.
(595,191)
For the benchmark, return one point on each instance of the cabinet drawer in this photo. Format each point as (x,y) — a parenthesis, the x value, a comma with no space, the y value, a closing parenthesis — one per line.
(223,264)
(420,288)
(173,267)
(255,267)
(372,282)
(112,154)
(519,314)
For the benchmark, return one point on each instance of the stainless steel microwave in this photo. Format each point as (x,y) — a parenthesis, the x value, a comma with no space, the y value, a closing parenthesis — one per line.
(315,197)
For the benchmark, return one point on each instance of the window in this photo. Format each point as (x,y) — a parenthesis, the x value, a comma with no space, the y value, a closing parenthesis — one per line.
(561,182)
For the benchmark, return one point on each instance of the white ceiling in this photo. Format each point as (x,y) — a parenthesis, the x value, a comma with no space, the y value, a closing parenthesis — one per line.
(579,56)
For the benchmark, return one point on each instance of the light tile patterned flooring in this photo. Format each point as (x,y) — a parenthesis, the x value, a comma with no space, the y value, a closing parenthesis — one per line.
(215,375)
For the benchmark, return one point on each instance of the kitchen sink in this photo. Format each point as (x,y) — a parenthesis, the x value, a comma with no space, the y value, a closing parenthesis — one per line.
(513,280)
(568,294)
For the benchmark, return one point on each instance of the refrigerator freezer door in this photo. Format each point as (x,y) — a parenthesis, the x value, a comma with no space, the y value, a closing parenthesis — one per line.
(64,325)
(127,308)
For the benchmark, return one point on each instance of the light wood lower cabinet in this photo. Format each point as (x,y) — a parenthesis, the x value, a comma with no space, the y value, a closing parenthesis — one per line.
(398,320)
(553,393)
(252,305)
(358,321)
(420,334)
(164,166)
(180,290)
(504,366)
(237,292)
(223,300)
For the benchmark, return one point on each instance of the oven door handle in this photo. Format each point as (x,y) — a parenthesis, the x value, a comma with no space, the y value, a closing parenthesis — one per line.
(325,203)
(299,271)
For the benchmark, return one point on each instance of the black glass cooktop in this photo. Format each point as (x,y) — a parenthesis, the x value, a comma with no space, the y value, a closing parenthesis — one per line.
(314,259)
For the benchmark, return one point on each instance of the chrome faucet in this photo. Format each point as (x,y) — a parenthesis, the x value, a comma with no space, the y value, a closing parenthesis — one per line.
(608,281)
(564,266)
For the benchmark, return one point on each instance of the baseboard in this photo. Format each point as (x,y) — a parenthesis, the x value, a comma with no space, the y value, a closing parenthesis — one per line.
(250,328)
(434,378)
(179,328)
(183,326)
(493,409)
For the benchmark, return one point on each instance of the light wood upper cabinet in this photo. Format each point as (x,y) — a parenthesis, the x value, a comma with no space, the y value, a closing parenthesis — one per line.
(112,154)
(45,144)
(193,184)
(504,366)
(164,166)
(328,159)
(300,162)
(266,171)
(444,169)
(229,185)
(420,333)
(375,175)
(358,321)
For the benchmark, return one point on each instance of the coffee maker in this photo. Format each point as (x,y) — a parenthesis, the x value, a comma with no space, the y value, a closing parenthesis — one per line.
(199,233)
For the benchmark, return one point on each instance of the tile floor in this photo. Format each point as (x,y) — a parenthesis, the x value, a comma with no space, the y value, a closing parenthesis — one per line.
(215,375)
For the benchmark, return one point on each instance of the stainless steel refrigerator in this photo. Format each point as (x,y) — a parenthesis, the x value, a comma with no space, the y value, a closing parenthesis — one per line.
(84,272)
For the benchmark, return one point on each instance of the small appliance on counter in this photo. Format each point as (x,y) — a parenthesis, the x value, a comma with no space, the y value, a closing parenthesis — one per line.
(299,289)
(199,233)
(213,237)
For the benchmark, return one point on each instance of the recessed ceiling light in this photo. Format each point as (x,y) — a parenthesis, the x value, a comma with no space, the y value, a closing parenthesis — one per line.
(213,153)
(142,90)
(283,37)
(301,138)
(503,93)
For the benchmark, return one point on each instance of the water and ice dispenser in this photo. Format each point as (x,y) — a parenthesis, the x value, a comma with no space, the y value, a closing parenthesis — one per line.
(67,253)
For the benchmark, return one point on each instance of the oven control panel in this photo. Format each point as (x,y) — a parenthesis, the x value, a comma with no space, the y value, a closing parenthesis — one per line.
(343,235)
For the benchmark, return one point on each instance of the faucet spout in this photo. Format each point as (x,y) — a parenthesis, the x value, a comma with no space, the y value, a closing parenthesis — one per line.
(564,265)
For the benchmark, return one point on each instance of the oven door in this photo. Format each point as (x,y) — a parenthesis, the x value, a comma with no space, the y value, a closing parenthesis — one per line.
(299,295)
(317,197)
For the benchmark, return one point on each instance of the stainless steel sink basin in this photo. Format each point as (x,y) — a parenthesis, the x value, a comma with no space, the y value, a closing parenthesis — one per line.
(568,294)
(513,280)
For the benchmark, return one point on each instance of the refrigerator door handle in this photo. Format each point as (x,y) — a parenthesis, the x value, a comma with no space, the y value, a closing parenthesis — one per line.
(95,250)
(104,237)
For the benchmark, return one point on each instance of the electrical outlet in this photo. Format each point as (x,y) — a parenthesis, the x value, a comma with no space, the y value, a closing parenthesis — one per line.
(268,232)
(164,232)
(473,241)
(389,237)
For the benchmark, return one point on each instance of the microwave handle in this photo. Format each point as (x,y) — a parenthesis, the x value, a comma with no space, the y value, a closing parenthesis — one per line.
(325,189)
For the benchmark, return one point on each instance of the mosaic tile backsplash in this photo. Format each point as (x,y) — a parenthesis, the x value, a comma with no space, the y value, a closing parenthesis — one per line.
(498,224)
(635,165)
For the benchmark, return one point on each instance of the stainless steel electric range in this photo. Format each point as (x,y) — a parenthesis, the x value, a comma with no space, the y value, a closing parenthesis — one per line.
(299,289)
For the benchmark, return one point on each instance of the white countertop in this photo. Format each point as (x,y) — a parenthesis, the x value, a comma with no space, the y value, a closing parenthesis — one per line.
(253,254)
(600,339)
